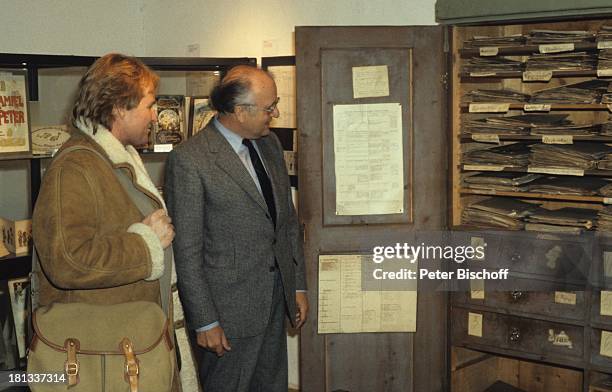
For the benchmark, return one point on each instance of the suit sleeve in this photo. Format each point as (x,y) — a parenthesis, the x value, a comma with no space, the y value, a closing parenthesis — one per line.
(295,232)
(77,248)
(186,203)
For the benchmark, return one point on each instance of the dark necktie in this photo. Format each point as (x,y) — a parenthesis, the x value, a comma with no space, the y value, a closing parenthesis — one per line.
(264,180)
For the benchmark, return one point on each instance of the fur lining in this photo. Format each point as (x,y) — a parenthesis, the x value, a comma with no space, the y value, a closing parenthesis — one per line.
(155,249)
(118,154)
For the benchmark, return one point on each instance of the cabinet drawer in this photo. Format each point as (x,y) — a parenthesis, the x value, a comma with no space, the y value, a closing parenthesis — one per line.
(569,305)
(517,333)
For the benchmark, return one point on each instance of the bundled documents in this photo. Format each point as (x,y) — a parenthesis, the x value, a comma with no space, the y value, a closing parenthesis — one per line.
(589,91)
(583,155)
(536,37)
(568,216)
(578,186)
(481,41)
(513,125)
(606,190)
(511,155)
(492,65)
(574,61)
(498,212)
(505,96)
(504,181)
(604,59)
(604,219)
(605,163)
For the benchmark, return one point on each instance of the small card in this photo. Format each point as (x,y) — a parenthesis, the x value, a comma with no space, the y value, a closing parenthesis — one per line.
(565,298)
(605,346)
(557,139)
(605,306)
(489,51)
(537,107)
(537,76)
(556,48)
(486,138)
(475,324)
(489,107)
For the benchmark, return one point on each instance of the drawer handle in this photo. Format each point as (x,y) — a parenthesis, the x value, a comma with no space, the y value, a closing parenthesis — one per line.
(515,335)
(516,257)
(516,295)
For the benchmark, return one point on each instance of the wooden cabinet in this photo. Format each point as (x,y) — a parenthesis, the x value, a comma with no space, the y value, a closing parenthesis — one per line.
(559,330)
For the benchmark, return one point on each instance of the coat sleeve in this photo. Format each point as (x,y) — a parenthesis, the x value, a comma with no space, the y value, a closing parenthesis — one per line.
(78,247)
(185,198)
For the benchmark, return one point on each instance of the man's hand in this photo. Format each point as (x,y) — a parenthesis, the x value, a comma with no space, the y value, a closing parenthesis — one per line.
(214,340)
(301,301)
(161,225)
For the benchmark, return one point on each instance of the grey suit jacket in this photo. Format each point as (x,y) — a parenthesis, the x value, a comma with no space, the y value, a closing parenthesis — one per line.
(225,240)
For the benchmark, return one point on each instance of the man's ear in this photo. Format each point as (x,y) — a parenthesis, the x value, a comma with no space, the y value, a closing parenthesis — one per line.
(241,113)
(118,113)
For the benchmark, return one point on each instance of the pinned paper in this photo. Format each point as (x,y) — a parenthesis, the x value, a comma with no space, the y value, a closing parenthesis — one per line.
(489,51)
(371,81)
(537,107)
(477,289)
(605,306)
(475,324)
(485,138)
(537,76)
(565,298)
(556,48)
(489,107)
(605,346)
(557,139)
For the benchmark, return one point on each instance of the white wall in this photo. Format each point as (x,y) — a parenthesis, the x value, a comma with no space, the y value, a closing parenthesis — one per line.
(77,27)
(241,28)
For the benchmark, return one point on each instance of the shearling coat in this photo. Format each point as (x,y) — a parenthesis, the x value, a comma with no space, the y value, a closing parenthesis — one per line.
(87,231)
(91,244)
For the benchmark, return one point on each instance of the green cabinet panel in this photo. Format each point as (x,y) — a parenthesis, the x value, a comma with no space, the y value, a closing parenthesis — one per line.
(491,11)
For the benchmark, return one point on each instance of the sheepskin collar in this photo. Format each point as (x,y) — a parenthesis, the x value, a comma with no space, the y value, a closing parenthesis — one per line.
(121,155)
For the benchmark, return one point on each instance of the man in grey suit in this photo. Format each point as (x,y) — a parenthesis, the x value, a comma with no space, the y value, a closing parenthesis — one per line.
(238,245)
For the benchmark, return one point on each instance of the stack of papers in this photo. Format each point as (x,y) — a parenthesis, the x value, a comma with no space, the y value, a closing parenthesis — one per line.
(578,186)
(604,219)
(575,61)
(492,65)
(605,129)
(604,34)
(504,181)
(536,37)
(606,190)
(584,155)
(479,41)
(566,129)
(604,59)
(589,91)
(605,163)
(511,155)
(580,218)
(498,212)
(514,125)
(506,96)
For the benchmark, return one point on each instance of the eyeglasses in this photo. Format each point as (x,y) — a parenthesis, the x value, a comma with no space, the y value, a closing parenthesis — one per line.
(268,109)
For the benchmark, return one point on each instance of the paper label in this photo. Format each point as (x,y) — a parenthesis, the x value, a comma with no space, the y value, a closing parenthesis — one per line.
(605,346)
(564,297)
(556,48)
(482,74)
(537,76)
(162,147)
(605,306)
(557,139)
(607,264)
(556,170)
(607,200)
(477,289)
(475,324)
(489,107)
(604,45)
(484,167)
(486,138)
(537,107)
(604,72)
(489,51)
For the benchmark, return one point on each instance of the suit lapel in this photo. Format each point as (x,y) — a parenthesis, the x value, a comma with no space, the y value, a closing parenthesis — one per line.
(229,162)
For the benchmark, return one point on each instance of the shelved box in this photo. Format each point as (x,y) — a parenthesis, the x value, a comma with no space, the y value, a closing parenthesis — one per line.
(16,235)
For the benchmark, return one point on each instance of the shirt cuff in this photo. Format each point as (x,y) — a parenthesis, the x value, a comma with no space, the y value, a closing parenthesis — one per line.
(208,327)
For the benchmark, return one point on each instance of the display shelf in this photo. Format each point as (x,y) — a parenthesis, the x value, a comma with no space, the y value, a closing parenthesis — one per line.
(526,49)
(553,106)
(529,195)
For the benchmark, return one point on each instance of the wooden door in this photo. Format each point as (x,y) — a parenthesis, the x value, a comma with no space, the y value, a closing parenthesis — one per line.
(416,61)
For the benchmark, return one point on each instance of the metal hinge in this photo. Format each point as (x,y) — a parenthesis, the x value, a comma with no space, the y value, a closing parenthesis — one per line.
(444,80)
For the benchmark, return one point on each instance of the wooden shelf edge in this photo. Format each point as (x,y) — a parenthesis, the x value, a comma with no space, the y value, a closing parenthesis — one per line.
(528,195)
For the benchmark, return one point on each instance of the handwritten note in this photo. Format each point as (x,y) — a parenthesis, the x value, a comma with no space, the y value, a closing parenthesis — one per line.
(371,81)
(475,324)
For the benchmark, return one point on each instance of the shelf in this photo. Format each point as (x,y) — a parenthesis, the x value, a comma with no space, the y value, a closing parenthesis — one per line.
(553,106)
(15,266)
(529,195)
(527,49)
(599,173)
(519,74)
(466,138)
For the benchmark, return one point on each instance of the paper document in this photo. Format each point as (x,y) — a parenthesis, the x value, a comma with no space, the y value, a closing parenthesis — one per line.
(371,81)
(345,308)
(369,161)
(284,76)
